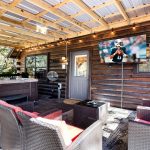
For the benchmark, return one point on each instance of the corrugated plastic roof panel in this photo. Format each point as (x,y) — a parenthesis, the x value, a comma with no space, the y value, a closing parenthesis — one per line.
(13,16)
(4,23)
(70,8)
(7,1)
(83,18)
(29,7)
(114,18)
(134,3)
(65,23)
(107,10)
(132,14)
(92,24)
(33,22)
(75,29)
(147,9)
(51,29)
(14,33)
(50,16)
(92,3)
(53,2)
(18,27)
(126,4)
(62,33)
(139,12)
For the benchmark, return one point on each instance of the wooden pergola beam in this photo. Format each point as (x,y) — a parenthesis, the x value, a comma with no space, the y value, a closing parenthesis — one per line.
(4,43)
(58,13)
(62,3)
(28,26)
(21,36)
(23,32)
(87,10)
(10,39)
(121,9)
(102,5)
(15,3)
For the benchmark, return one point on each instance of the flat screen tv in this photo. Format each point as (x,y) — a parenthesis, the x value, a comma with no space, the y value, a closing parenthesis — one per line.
(128,49)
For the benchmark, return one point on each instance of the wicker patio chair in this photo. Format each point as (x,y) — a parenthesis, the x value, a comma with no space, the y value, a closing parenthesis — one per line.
(44,136)
(138,136)
(38,137)
(146,102)
(143,113)
(11,133)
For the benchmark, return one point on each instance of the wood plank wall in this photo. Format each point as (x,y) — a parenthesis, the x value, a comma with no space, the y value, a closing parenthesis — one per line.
(46,87)
(106,80)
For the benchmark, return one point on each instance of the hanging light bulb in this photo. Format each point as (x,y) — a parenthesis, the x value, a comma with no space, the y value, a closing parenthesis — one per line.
(112,31)
(80,41)
(134,27)
(94,35)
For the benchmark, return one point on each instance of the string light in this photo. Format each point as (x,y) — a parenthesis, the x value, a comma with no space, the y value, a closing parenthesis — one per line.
(94,35)
(112,31)
(134,27)
(80,41)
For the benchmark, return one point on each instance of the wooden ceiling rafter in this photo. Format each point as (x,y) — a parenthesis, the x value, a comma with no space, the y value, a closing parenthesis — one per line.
(120,24)
(87,10)
(28,26)
(82,12)
(17,39)
(61,3)
(72,16)
(20,36)
(102,5)
(121,9)
(13,4)
(11,44)
(30,16)
(58,13)
(24,32)
(129,10)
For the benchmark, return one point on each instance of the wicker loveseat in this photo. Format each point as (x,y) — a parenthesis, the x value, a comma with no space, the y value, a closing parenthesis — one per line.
(21,130)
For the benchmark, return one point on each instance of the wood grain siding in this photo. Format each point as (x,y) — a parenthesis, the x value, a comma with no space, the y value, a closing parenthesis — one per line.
(105,79)
(107,84)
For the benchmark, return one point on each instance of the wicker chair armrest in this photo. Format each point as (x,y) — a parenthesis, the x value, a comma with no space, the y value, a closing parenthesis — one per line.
(146,103)
(138,136)
(89,139)
(143,113)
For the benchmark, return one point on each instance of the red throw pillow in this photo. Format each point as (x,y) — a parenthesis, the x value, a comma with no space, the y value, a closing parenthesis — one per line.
(54,115)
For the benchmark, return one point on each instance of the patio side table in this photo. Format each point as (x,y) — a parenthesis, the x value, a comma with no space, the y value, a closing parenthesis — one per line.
(86,112)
